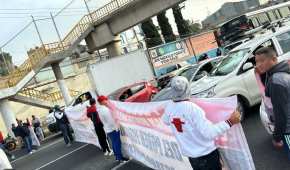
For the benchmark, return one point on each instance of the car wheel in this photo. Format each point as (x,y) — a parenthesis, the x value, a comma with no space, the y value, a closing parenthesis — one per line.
(241,109)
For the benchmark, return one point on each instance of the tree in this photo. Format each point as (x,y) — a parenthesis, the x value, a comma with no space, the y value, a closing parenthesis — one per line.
(5,63)
(152,37)
(182,25)
(194,27)
(165,27)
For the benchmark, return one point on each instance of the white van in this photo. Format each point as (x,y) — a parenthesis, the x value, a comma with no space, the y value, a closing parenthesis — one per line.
(235,74)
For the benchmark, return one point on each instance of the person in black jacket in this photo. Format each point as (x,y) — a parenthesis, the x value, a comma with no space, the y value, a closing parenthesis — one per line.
(277,83)
(23,131)
(63,124)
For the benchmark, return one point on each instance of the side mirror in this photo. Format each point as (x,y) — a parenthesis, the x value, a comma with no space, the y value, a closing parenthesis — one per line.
(247,66)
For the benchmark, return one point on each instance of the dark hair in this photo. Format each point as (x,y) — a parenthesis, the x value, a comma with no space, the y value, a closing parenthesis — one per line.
(92,101)
(267,51)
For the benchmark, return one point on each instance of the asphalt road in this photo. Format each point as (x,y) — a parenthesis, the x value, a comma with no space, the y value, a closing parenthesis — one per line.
(55,156)
(265,156)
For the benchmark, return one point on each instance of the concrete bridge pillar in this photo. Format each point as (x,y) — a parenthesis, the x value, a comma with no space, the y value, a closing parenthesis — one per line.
(114,48)
(7,115)
(61,83)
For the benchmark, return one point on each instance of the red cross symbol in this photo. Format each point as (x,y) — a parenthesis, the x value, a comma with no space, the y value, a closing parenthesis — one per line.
(178,124)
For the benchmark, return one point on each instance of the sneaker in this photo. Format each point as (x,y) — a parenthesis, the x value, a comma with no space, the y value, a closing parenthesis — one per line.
(111,153)
(12,157)
(106,153)
(68,145)
(30,153)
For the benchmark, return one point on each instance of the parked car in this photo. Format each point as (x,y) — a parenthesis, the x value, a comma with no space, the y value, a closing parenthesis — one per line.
(234,75)
(191,73)
(231,46)
(138,92)
(171,71)
(197,71)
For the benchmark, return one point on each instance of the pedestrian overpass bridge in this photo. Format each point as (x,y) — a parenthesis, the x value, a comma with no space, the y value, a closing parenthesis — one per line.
(99,29)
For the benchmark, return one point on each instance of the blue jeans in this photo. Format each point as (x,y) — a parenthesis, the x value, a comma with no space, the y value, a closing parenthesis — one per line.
(116,144)
(28,143)
(286,141)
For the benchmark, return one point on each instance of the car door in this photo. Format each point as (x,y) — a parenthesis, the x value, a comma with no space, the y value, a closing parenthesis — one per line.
(139,93)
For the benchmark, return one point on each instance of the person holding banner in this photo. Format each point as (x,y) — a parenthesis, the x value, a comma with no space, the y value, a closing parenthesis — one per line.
(99,127)
(110,128)
(63,124)
(277,88)
(194,133)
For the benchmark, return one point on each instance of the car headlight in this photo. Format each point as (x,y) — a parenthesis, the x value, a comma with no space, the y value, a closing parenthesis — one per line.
(206,94)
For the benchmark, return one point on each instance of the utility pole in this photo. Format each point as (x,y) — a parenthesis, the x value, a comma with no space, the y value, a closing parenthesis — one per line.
(89,12)
(57,32)
(37,30)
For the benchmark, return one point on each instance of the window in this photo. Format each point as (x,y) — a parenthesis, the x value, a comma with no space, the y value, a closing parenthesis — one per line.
(255,22)
(82,98)
(230,63)
(263,18)
(271,16)
(284,11)
(284,41)
(268,43)
(278,14)
(131,91)
(188,73)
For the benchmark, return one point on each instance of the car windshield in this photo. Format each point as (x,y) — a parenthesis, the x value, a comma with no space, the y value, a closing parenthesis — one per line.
(188,72)
(229,63)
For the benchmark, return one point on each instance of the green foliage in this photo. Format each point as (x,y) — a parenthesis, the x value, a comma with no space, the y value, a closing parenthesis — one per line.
(151,34)
(182,26)
(165,27)
(3,66)
(194,27)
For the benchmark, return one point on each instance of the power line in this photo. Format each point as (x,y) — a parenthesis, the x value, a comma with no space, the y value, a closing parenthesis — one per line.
(30,9)
(65,7)
(16,13)
(41,17)
(19,32)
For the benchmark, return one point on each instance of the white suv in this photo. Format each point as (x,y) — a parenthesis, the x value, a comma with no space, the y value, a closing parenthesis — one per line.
(235,74)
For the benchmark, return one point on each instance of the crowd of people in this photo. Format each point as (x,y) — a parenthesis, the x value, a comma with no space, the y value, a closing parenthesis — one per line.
(194,133)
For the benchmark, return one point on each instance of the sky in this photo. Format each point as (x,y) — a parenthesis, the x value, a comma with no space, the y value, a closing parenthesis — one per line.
(16,14)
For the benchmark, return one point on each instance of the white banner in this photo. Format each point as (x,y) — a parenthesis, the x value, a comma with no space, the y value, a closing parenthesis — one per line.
(83,127)
(147,139)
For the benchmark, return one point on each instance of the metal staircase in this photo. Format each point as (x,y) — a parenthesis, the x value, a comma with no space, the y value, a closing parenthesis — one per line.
(40,99)
(43,56)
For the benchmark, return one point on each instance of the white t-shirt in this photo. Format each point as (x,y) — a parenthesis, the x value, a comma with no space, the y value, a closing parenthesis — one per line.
(194,133)
(106,118)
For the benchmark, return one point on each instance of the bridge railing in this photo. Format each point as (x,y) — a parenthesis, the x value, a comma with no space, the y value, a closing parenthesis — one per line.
(50,97)
(39,53)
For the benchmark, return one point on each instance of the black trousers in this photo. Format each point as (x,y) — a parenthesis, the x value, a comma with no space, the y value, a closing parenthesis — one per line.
(207,162)
(102,137)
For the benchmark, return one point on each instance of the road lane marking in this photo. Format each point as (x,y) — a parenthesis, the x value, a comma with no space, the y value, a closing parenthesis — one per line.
(79,148)
(121,164)
(42,148)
